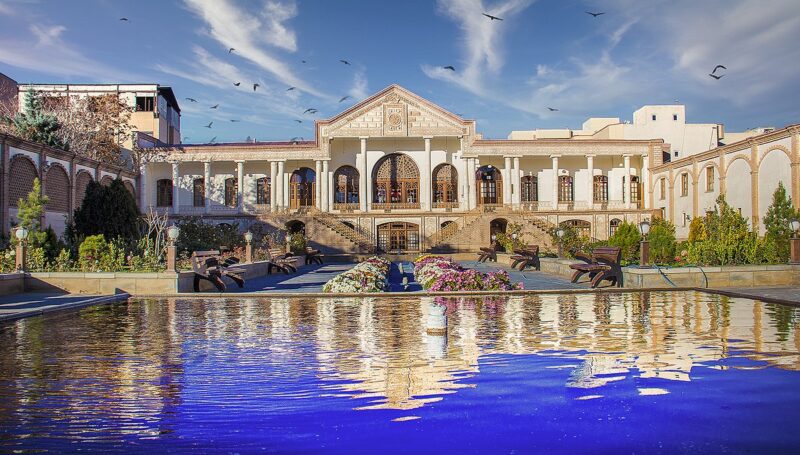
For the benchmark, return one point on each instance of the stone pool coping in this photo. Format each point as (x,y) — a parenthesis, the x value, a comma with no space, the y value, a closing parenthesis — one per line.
(44,308)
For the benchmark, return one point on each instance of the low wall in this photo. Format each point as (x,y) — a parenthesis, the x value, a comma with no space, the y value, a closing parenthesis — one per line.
(12,283)
(185,280)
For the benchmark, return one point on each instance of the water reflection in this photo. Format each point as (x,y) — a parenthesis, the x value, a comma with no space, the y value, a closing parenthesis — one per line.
(133,367)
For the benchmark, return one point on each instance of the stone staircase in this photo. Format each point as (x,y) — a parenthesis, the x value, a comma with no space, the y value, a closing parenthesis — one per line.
(357,238)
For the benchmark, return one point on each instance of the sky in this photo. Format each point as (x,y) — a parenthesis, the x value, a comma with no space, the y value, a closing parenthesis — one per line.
(544,53)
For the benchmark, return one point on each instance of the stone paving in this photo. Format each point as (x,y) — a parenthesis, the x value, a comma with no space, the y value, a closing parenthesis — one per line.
(786,294)
(309,278)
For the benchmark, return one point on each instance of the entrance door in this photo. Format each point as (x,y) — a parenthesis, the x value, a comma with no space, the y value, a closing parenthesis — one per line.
(398,237)
(301,188)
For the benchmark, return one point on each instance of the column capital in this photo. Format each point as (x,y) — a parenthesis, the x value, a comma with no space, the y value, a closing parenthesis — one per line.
(363,138)
(555,156)
(427,138)
(240,161)
(591,155)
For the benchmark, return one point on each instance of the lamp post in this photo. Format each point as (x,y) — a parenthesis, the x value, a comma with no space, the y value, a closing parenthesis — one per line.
(288,240)
(20,260)
(494,240)
(644,246)
(248,248)
(560,235)
(794,243)
(514,241)
(172,235)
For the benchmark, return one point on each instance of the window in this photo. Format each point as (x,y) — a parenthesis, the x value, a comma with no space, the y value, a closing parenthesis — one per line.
(583,228)
(684,184)
(396,181)
(565,189)
(145,103)
(600,188)
(199,192)
(263,190)
(634,188)
(231,190)
(654,117)
(675,117)
(398,237)
(445,186)
(346,180)
(676,153)
(709,179)
(164,193)
(612,226)
(530,189)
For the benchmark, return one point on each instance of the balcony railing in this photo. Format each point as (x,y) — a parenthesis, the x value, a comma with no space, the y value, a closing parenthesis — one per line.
(395,206)
(445,205)
(256,208)
(346,206)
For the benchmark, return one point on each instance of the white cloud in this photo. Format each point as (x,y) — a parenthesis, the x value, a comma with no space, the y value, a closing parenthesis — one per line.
(359,89)
(275,14)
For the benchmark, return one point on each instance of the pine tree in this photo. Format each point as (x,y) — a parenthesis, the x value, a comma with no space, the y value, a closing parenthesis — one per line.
(109,210)
(29,213)
(777,220)
(35,125)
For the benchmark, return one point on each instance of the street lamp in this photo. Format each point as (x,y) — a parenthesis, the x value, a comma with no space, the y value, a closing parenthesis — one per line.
(172,235)
(644,246)
(21,234)
(560,235)
(794,242)
(248,248)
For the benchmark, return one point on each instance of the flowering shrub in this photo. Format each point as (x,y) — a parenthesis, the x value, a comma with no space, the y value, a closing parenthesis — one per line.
(436,273)
(367,276)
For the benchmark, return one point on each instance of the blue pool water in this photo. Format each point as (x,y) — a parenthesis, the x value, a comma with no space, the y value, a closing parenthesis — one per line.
(624,373)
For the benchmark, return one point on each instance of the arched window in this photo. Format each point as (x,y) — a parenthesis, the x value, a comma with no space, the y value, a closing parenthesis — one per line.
(396,182)
(263,191)
(346,187)
(600,188)
(57,189)
(565,189)
(684,184)
(530,188)
(231,192)
(301,188)
(199,193)
(21,174)
(613,225)
(82,181)
(710,179)
(634,189)
(164,193)
(398,237)
(583,228)
(445,186)
(489,185)
(106,180)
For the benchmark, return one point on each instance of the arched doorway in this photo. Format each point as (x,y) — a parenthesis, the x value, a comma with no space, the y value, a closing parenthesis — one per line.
(445,186)
(497,226)
(301,188)
(295,226)
(396,183)
(489,185)
(398,237)
(345,194)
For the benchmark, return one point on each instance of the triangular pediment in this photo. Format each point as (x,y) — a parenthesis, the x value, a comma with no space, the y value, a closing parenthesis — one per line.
(395,112)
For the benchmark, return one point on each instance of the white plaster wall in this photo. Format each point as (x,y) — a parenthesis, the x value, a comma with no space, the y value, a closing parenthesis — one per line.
(32,155)
(738,187)
(707,199)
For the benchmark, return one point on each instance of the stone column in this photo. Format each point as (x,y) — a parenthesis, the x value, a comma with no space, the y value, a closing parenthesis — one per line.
(362,175)
(555,180)
(325,191)
(626,190)
(471,201)
(645,196)
(590,181)
(318,184)
(516,185)
(426,186)
(273,185)
(144,187)
(463,181)
(4,200)
(507,178)
(240,186)
(286,192)
(207,186)
(279,186)
(176,181)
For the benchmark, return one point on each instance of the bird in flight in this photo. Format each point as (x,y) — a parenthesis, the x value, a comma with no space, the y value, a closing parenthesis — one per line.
(235,121)
(345,62)
(310,110)
(212,140)
(718,67)
(298,121)
(552,109)
(344,98)
(715,76)
(290,89)
(449,67)
(123,19)
(494,18)
(594,14)
(215,106)
(231,50)
(298,138)
(255,86)
(237,83)
(303,61)
(192,100)
(209,125)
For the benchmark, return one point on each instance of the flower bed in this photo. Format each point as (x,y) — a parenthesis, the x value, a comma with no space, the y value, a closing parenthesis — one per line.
(367,276)
(436,273)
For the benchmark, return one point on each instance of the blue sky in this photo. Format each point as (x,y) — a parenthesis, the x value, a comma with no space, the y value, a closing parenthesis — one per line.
(544,53)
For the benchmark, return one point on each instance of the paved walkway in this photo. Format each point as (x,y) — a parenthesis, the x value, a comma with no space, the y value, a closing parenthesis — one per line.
(33,303)
(310,278)
(530,279)
(774,294)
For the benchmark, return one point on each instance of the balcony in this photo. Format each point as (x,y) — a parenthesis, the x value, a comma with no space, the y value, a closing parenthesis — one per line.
(395,206)
(347,207)
(445,205)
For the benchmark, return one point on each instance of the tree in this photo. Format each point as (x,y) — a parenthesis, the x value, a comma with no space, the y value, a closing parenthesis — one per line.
(34,124)
(109,210)
(776,222)
(29,213)
(627,238)
(95,126)
(662,241)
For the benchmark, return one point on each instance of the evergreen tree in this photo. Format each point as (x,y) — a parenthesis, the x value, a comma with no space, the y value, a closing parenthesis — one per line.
(627,238)
(777,220)
(108,210)
(29,213)
(35,125)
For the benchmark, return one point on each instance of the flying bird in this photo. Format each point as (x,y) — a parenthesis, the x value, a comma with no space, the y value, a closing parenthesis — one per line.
(212,140)
(192,100)
(215,106)
(310,110)
(494,18)
(303,61)
(344,98)
(295,139)
(345,62)
(123,19)
(290,89)
(298,121)
(594,14)
(715,76)
(449,67)
(718,67)
(255,86)
(209,125)
(552,109)
(235,121)
(231,50)
(237,83)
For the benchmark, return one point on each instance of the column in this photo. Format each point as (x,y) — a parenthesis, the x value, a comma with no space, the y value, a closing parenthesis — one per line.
(240,186)
(516,187)
(175,186)
(627,188)
(273,185)
(144,188)
(470,176)
(362,175)
(463,183)
(318,184)
(555,181)
(279,186)
(4,159)
(207,185)
(425,181)
(286,194)
(507,180)
(590,181)
(645,182)
(325,191)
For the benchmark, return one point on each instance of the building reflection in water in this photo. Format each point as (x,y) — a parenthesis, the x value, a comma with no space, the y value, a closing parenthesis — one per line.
(134,363)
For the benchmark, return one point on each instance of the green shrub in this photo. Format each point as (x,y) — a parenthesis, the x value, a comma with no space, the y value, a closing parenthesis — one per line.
(507,240)
(108,210)
(297,243)
(697,230)
(91,251)
(627,238)
(196,235)
(662,241)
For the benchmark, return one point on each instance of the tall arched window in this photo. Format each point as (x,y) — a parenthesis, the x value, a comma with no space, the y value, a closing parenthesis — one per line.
(613,225)
(231,192)
(565,189)
(164,193)
(600,188)
(489,185)
(345,180)
(530,189)
(301,188)
(634,189)
(445,186)
(396,182)
(263,191)
(21,175)
(199,193)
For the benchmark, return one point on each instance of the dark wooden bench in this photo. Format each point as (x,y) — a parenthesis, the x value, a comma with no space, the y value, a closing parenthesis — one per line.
(207,266)
(526,257)
(487,254)
(313,256)
(281,260)
(604,264)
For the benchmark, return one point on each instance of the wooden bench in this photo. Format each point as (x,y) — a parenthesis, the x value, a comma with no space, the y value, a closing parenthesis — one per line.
(206,266)
(526,257)
(487,254)
(281,260)
(313,256)
(604,264)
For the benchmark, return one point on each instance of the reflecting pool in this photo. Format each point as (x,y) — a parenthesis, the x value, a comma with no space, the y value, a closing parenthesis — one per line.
(571,373)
